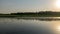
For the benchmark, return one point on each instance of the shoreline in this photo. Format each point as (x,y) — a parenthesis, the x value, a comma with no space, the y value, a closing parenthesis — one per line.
(36,18)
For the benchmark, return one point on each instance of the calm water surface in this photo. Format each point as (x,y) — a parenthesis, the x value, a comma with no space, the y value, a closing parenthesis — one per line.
(22,26)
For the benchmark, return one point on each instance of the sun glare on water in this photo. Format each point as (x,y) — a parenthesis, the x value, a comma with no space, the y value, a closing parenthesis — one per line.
(58,28)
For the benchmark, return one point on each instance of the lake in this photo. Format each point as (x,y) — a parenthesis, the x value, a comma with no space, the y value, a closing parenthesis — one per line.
(28,26)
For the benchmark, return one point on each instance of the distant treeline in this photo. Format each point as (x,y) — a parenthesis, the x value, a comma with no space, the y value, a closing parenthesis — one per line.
(34,14)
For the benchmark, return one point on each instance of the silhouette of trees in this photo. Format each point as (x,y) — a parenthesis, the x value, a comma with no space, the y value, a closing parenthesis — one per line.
(41,13)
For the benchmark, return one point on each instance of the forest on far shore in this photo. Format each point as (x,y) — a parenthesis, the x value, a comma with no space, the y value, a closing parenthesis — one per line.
(32,14)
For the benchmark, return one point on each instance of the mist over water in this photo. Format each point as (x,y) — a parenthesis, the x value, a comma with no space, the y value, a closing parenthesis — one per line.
(23,26)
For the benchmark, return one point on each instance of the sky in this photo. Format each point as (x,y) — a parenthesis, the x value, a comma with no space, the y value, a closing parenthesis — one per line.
(11,6)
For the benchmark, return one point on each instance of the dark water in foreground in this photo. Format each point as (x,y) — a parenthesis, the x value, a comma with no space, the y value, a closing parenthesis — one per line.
(22,26)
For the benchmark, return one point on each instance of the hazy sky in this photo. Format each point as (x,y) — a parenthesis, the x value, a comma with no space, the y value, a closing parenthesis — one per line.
(7,6)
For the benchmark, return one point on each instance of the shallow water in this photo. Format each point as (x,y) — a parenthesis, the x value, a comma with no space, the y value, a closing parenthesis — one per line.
(23,26)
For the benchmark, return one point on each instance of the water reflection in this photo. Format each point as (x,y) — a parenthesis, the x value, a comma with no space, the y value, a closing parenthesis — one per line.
(22,26)
(56,27)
